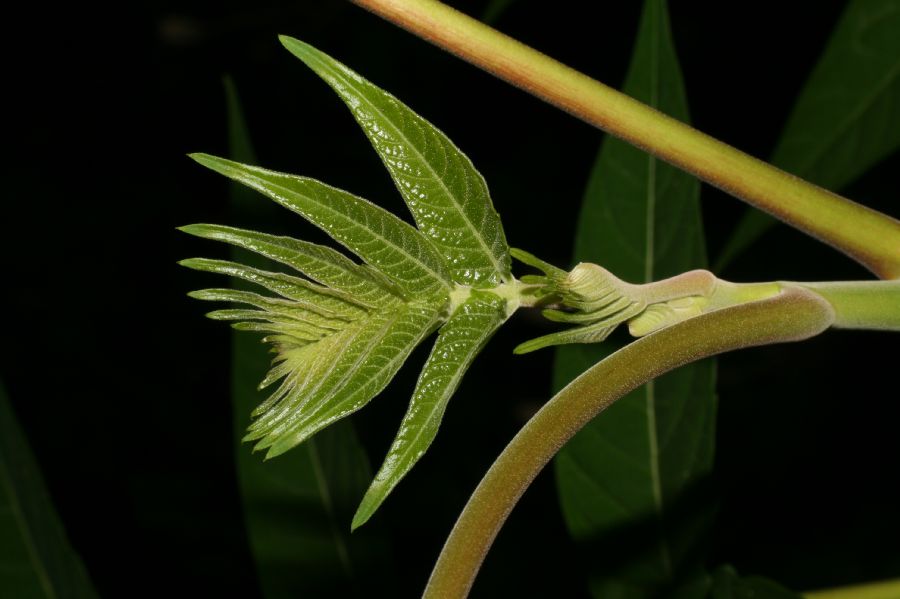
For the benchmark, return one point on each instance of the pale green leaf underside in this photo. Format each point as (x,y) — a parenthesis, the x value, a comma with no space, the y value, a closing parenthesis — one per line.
(448,198)
(378,237)
(458,342)
(339,374)
(36,560)
(845,119)
(333,352)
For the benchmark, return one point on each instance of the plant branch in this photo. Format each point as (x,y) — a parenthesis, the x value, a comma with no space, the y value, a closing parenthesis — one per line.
(869,237)
(793,315)
(860,304)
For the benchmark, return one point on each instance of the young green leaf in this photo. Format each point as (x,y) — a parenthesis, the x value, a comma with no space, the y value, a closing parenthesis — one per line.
(36,559)
(459,341)
(300,291)
(322,264)
(623,477)
(448,198)
(341,373)
(334,353)
(378,237)
(340,337)
(845,120)
(292,310)
(296,507)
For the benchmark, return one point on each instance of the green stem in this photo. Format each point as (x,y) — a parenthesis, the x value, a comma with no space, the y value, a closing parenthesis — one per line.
(861,304)
(867,236)
(873,305)
(792,315)
(888,589)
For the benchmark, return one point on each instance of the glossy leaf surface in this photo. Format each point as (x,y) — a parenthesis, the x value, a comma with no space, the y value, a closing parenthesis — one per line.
(459,341)
(341,330)
(626,480)
(354,284)
(846,119)
(295,508)
(448,198)
(375,235)
(335,353)
(36,560)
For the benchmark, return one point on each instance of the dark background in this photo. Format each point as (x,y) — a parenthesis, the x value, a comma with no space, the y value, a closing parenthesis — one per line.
(122,385)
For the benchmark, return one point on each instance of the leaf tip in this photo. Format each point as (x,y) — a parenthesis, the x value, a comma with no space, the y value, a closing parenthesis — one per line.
(199,156)
(190,229)
(279,447)
(299,49)
(287,40)
(529,346)
(249,437)
(191,263)
(220,165)
(358,521)
(529,259)
(363,513)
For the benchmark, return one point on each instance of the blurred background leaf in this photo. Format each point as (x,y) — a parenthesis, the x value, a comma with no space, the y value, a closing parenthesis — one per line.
(495,9)
(845,119)
(726,583)
(36,559)
(633,481)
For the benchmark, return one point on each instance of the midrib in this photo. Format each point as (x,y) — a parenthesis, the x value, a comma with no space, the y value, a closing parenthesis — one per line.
(476,234)
(27,535)
(325,494)
(650,387)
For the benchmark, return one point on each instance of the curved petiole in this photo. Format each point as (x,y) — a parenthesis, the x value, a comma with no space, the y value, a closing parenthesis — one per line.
(792,315)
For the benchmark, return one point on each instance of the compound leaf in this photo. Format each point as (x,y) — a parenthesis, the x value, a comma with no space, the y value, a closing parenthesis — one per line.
(342,333)
(448,198)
